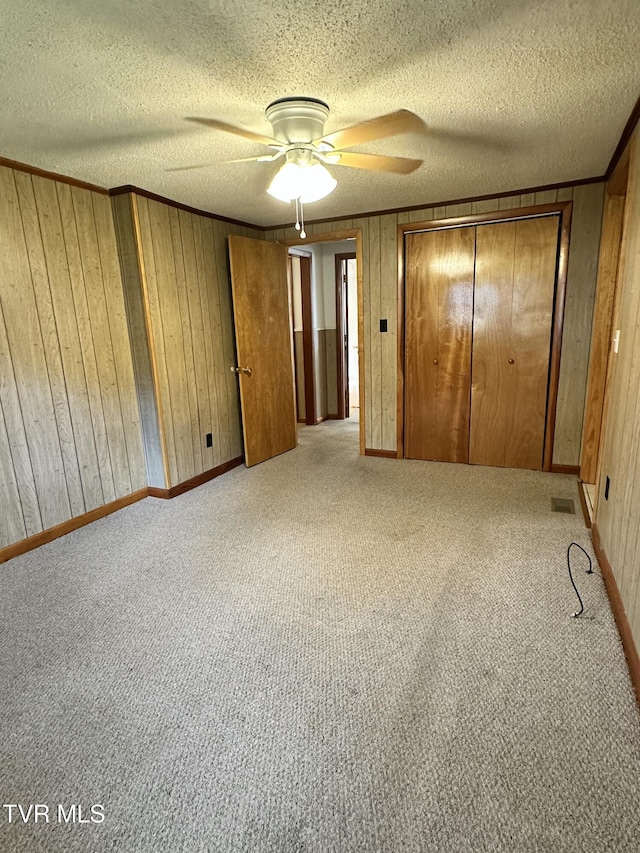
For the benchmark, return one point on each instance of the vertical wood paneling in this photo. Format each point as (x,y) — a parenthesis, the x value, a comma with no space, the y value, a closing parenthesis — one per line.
(546,197)
(155,323)
(565,194)
(485,206)
(213,243)
(12,413)
(425,214)
(610,245)
(388,339)
(51,346)
(364,327)
(69,421)
(12,527)
(76,275)
(27,352)
(215,399)
(188,302)
(204,454)
(581,283)
(227,340)
(102,340)
(171,330)
(374,399)
(119,334)
(70,348)
(187,342)
(453,210)
(126,220)
(618,518)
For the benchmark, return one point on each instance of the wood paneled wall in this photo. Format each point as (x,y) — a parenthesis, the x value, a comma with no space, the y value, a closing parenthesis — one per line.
(70,438)
(182,274)
(618,518)
(380,285)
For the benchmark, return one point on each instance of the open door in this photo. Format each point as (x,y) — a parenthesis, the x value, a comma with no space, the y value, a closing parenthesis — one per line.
(264,347)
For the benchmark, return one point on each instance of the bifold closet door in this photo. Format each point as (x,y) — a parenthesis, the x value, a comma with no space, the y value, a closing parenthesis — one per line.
(438,327)
(514,295)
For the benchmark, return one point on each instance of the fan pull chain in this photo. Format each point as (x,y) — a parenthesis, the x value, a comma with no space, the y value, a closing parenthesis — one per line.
(297,216)
(303,233)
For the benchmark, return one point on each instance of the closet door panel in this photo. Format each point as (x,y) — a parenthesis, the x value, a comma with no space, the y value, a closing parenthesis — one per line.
(536,251)
(490,384)
(515,283)
(439,312)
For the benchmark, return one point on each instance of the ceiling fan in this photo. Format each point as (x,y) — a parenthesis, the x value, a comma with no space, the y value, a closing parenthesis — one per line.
(299,137)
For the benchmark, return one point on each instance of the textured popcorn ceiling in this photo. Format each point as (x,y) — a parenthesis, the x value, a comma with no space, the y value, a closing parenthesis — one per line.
(517,93)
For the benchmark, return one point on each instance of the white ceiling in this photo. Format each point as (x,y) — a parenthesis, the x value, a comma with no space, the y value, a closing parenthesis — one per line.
(517,93)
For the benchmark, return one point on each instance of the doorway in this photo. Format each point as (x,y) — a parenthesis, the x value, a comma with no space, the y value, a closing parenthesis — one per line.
(323,358)
(347,361)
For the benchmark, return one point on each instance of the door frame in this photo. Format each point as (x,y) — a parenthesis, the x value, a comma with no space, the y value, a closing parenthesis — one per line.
(561,208)
(308,349)
(335,237)
(341,315)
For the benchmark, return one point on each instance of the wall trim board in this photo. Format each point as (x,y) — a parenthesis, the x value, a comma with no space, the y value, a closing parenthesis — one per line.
(629,127)
(624,629)
(447,202)
(129,188)
(574,470)
(54,176)
(194,482)
(583,504)
(38,539)
(383,454)
(563,209)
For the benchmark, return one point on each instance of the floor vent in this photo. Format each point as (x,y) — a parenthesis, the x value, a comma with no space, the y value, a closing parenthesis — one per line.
(563,505)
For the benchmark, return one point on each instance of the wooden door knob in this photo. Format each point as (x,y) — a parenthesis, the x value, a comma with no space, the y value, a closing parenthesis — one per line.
(511,361)
(435,360)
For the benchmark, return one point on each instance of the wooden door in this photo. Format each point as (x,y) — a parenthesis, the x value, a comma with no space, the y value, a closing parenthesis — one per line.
(514,294)
(262,318)
(438,326)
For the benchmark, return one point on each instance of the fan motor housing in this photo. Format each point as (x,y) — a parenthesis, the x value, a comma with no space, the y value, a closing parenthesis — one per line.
(297,119)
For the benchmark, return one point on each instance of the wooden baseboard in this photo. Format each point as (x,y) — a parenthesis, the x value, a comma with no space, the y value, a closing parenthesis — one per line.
(565,469)
(93,515)
(194,482)
(52,533)
(624,629)
(583,504)
(384,454)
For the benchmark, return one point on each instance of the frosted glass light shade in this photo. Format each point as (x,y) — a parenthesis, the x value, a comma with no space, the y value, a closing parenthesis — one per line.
(308,183)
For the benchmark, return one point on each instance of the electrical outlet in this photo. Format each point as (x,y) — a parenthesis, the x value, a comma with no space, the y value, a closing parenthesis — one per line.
(209,439)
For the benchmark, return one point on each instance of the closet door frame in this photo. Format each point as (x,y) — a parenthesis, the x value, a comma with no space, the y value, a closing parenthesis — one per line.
(562,209)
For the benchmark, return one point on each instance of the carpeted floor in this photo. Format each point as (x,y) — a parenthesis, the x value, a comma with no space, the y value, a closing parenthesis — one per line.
(323,653)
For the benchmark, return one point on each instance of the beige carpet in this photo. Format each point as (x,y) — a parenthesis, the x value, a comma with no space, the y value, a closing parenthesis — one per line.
(322,653)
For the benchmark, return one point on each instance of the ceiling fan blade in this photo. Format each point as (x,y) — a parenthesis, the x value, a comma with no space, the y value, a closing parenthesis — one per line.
(265,158)
(375,162)
(380,127)
(232,128)
(188,168)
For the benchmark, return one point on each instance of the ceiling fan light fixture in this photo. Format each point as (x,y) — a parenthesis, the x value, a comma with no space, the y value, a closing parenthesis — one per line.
(305,182)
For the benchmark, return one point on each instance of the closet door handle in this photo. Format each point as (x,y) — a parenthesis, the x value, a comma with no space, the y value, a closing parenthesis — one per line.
(435,360)
(512,361)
